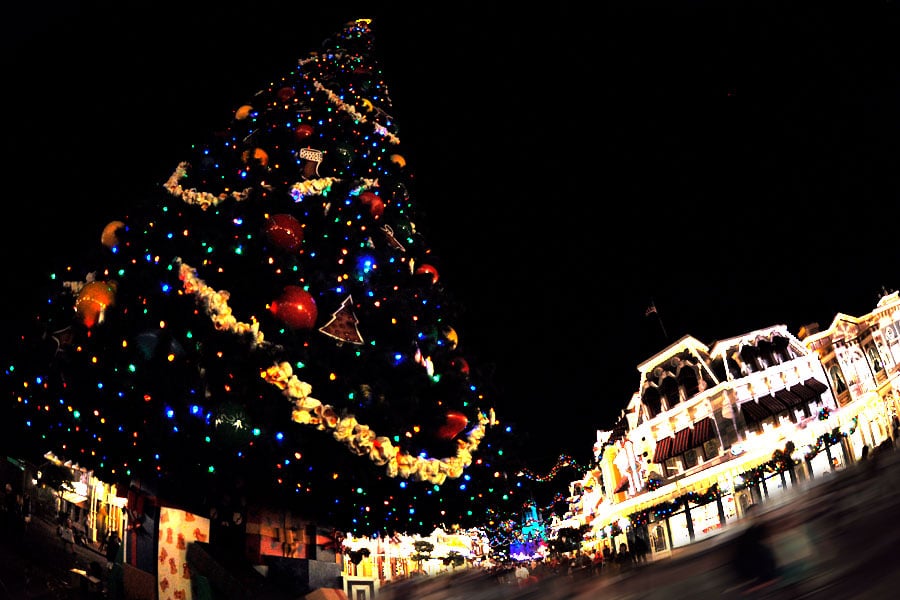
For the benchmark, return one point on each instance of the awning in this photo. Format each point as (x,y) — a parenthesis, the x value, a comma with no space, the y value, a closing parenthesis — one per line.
(703,432)
(753,412)
(772,404)
(75,499)
(622,485)
(806,394)
(663,450)
(682,441)
(816,385)
(789,398)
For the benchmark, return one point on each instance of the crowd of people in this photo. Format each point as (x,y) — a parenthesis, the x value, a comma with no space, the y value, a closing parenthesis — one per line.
(545,577)
(579,564)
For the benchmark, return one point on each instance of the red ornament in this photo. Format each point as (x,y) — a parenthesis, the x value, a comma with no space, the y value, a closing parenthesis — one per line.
(284,231)
(303,131)
(296,308)
(461,365)
(374,202)
(454,422)
(376,209)
(285,94)
(428,270)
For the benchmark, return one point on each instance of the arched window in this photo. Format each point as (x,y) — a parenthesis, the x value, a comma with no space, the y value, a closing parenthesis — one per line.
(671,390)
(837,379)
(652,401)
(874,358)
(689,381)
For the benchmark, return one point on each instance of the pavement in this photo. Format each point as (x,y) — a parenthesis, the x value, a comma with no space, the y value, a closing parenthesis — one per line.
(34,564)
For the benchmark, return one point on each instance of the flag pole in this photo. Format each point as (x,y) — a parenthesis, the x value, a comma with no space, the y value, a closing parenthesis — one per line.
(652,310)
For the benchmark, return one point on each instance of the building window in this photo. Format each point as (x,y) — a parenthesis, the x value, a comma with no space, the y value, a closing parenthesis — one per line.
(690,458)
(710,449)
(726,429)
(837,379)
(672,466)
(874,358)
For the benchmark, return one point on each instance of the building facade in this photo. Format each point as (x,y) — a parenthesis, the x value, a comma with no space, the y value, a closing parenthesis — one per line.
(712,430)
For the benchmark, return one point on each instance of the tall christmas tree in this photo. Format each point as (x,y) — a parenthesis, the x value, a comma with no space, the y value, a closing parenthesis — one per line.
(271,320)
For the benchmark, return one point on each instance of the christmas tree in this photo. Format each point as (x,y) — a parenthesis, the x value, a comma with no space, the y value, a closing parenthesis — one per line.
(270,320)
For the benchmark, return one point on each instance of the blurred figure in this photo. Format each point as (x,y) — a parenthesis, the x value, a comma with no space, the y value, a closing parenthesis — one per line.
(623,558)
(68,536)
(640,549)
(754,560)
(112,548)
(597,562)
(522,574)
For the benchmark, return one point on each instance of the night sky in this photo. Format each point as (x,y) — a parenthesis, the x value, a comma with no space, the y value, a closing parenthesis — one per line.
(733,163)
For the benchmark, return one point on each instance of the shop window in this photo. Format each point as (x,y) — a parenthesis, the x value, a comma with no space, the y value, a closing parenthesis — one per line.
(659,538)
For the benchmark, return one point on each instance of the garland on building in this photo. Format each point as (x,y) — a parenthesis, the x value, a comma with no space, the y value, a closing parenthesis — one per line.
(666,509)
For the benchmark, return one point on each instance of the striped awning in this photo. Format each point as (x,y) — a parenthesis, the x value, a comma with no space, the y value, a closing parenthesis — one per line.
(816,385)
(806,394)
(703,432)
(772,404)
(789,398)
(753,412)
(663,450)
(682,441)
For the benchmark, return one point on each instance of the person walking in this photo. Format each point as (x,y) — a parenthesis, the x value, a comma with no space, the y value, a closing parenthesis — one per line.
(754,559)
(67,534)
(623,558)
(895,429)
(597,562)
(640,549)
(113,543)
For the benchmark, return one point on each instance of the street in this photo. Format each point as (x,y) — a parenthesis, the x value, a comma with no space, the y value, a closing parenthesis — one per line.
(37,565)
(836,538)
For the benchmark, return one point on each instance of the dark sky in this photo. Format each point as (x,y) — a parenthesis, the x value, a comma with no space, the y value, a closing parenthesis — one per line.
(733,162)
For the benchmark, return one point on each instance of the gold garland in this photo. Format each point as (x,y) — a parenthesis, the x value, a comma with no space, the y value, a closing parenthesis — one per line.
(202,199)
(357,437)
